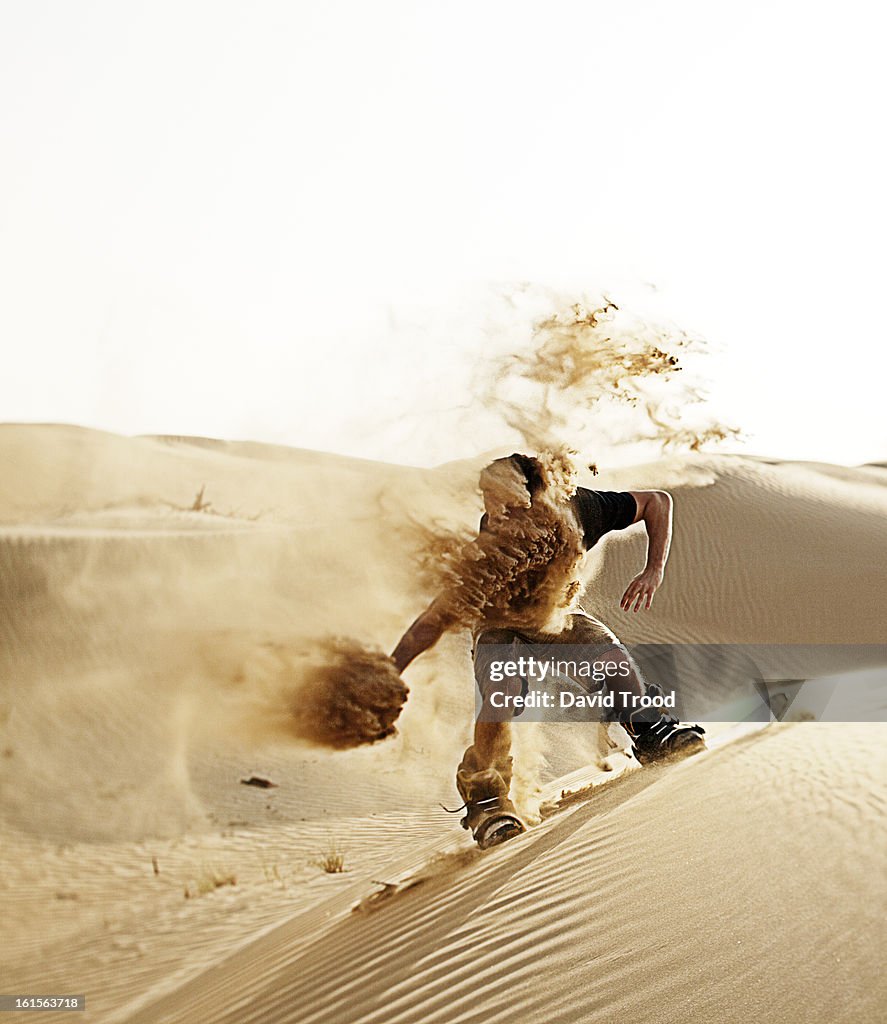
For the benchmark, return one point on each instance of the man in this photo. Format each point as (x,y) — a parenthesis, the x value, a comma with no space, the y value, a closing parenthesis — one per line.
(520,581)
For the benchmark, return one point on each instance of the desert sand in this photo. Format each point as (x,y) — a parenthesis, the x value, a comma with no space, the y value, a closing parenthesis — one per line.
(158,598)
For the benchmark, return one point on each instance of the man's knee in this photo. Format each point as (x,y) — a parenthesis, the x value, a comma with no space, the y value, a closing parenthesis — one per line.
(490,647)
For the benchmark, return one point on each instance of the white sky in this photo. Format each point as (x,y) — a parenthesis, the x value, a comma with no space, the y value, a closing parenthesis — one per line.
(281,220)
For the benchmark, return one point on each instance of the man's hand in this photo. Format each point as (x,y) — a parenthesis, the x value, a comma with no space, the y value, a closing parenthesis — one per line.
(640,591)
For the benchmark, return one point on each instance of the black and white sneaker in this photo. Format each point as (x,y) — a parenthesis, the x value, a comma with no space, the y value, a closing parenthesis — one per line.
(657,736)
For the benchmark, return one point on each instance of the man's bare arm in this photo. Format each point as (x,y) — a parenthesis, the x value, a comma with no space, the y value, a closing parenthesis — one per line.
(655,511)
(428,628)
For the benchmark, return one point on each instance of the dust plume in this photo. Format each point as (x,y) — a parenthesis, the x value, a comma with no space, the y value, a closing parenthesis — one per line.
(352,697)
(333,692)
(522,569)
(583,362)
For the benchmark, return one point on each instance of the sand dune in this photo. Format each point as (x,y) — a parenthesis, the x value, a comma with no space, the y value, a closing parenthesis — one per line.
(158,597)
(654,902)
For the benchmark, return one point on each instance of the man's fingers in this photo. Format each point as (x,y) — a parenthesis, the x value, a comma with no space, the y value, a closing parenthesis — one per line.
(637,595)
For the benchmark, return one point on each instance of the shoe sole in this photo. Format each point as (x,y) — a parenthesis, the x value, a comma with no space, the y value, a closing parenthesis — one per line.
(497,830)
(676,752)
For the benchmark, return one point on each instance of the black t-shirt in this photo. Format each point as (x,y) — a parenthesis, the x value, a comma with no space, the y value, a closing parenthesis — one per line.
(599,512)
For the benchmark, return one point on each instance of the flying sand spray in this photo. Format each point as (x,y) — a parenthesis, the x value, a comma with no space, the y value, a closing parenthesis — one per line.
(523,569)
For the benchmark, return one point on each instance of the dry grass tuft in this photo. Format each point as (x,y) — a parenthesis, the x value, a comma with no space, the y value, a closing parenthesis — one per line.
(332,860)
(208,880)
(199,505)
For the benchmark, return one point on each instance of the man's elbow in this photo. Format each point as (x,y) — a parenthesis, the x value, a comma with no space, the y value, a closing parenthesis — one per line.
(663,500)
(661,505)
(653,506)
